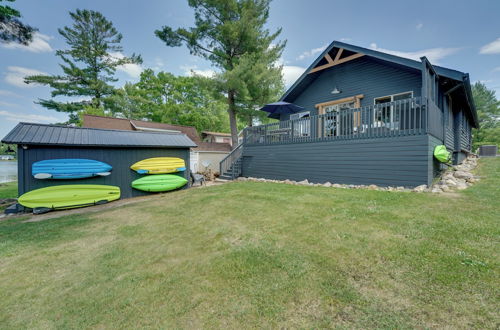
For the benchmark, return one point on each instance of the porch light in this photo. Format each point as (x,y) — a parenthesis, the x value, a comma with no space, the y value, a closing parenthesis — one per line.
(336,91)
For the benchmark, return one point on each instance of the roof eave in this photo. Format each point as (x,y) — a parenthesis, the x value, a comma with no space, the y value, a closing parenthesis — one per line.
(449,73)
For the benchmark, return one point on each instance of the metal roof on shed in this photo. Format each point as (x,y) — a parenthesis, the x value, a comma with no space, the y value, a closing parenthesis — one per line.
(40,134)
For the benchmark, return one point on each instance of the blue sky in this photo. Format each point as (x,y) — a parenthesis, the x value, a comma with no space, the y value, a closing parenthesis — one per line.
(463,35)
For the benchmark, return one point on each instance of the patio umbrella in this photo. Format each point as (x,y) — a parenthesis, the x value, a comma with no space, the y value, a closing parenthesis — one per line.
(278,108)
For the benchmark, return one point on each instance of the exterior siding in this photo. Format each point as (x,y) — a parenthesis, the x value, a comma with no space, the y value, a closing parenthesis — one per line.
(399,161)
(449,127)
(434,166)
(120,158)
(370,77)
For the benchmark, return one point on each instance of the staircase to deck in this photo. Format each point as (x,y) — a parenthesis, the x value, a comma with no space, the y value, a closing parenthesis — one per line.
(230,166)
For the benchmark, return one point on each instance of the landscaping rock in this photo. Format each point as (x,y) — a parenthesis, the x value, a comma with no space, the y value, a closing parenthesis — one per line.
(436,190)
(420,188)
(451,182)
(336,185)
(303,182)
(373,187)
(462,175)
(472,180)
(445,188)
(327,184)
(461,186)
(287,182)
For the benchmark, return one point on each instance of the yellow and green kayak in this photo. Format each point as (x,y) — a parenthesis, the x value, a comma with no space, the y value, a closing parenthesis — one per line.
(69,196)
(159,165)
(159,183)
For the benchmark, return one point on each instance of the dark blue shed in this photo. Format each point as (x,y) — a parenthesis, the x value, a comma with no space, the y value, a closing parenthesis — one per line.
(120,149)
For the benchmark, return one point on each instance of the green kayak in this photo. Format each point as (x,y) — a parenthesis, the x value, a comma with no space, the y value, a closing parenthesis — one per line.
(159,182)
(69,196)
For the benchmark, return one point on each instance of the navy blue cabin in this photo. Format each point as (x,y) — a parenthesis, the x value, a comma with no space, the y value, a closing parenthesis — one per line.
(368,118)
(120,149)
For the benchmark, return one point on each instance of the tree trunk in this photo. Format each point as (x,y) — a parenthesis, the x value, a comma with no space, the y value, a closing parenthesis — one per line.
(232,118)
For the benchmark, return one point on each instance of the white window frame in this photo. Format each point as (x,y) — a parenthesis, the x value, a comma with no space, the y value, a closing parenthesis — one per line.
(391,107)
(302,128)
(299,115)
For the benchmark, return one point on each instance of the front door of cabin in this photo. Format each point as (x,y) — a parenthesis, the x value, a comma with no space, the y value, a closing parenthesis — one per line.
(332,124)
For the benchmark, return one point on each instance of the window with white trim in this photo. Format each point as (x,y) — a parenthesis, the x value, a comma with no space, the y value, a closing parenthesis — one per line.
(301,127)
(388,113)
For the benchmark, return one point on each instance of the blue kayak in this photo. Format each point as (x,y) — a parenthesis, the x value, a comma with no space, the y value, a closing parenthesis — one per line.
(69,169)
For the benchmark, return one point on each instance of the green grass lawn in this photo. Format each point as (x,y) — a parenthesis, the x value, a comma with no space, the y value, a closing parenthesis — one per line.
(248,255)
(8,190)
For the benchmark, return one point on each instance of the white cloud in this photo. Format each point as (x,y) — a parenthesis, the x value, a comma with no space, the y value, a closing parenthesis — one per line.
(345,39)
(158,64)
(8,104)
(3,92)
(491,48)
(291,73)
(15,76)
(496,69)
(39,44)
(131,69)
(192,70)
(17,117)
(434,55)
(419,26)
(312,52)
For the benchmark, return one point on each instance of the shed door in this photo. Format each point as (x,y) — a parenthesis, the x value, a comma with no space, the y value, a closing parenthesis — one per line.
(194,158)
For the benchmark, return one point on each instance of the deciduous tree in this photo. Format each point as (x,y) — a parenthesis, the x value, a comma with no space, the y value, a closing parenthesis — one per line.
(166,98)
(488,111)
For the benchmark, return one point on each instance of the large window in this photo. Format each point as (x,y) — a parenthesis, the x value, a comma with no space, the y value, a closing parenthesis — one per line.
(388,113)
(301,127)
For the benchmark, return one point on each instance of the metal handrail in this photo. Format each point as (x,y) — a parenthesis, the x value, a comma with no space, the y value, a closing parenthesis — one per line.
(397,118)
(230,160)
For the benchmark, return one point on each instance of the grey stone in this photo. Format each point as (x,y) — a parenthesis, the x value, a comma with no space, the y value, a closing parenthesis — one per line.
(451,182)
(303,182)
(436,190)
(327,184)
(420,188)
(462,175)
(445,188)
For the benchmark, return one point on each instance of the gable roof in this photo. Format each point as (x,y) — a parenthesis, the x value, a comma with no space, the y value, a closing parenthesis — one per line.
(93,121)
(215,133)
(102,122)
(307,77)
(40,134)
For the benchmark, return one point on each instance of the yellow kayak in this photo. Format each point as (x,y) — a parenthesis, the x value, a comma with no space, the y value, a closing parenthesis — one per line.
(69,196)
(159,165)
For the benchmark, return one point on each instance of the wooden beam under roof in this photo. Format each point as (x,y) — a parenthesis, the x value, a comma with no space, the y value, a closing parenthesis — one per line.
(336,61)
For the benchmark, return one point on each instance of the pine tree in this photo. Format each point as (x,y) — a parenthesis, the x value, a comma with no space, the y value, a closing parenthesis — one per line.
(88,65)
(231,34)
(11,28)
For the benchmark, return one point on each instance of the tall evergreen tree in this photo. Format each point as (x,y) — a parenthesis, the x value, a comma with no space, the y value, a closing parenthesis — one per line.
(88,65)
(231,35)
(11,28)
